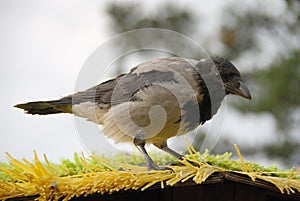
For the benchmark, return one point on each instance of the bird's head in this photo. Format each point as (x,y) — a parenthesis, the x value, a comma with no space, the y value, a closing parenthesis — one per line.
(231,78)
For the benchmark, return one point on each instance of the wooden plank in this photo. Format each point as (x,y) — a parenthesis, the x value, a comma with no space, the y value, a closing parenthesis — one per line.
(249,193)
(194,193)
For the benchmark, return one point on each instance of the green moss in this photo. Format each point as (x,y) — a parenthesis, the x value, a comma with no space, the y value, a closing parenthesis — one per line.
(68,167)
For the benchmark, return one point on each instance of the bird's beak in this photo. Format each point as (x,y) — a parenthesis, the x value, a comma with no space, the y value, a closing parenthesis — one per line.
(242,91)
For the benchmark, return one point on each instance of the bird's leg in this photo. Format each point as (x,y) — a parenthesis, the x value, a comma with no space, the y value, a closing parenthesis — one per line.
(163,146)
(140,141)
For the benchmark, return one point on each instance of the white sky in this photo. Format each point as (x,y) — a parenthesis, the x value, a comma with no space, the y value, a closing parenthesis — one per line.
(43,47)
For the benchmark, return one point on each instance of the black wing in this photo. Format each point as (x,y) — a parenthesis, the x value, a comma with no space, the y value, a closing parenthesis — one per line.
(122,88)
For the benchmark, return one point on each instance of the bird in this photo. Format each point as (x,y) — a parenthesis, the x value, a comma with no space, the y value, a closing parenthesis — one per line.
(156,100)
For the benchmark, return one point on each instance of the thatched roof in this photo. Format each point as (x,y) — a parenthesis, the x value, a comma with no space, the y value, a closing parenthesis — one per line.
(100,175)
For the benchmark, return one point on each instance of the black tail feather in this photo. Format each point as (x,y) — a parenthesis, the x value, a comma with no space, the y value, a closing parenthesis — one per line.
(47,107)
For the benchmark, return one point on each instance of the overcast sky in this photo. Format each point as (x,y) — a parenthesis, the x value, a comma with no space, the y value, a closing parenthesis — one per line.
(44,45)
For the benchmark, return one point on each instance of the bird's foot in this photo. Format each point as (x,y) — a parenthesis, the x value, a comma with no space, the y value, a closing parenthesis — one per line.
(195,164)
(158,168)
(181,163)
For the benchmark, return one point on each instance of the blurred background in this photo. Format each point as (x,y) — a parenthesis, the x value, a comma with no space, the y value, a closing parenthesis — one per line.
(45,43)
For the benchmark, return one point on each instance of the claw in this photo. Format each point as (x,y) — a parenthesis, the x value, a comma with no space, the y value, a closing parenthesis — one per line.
(157,168)
(193,163)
